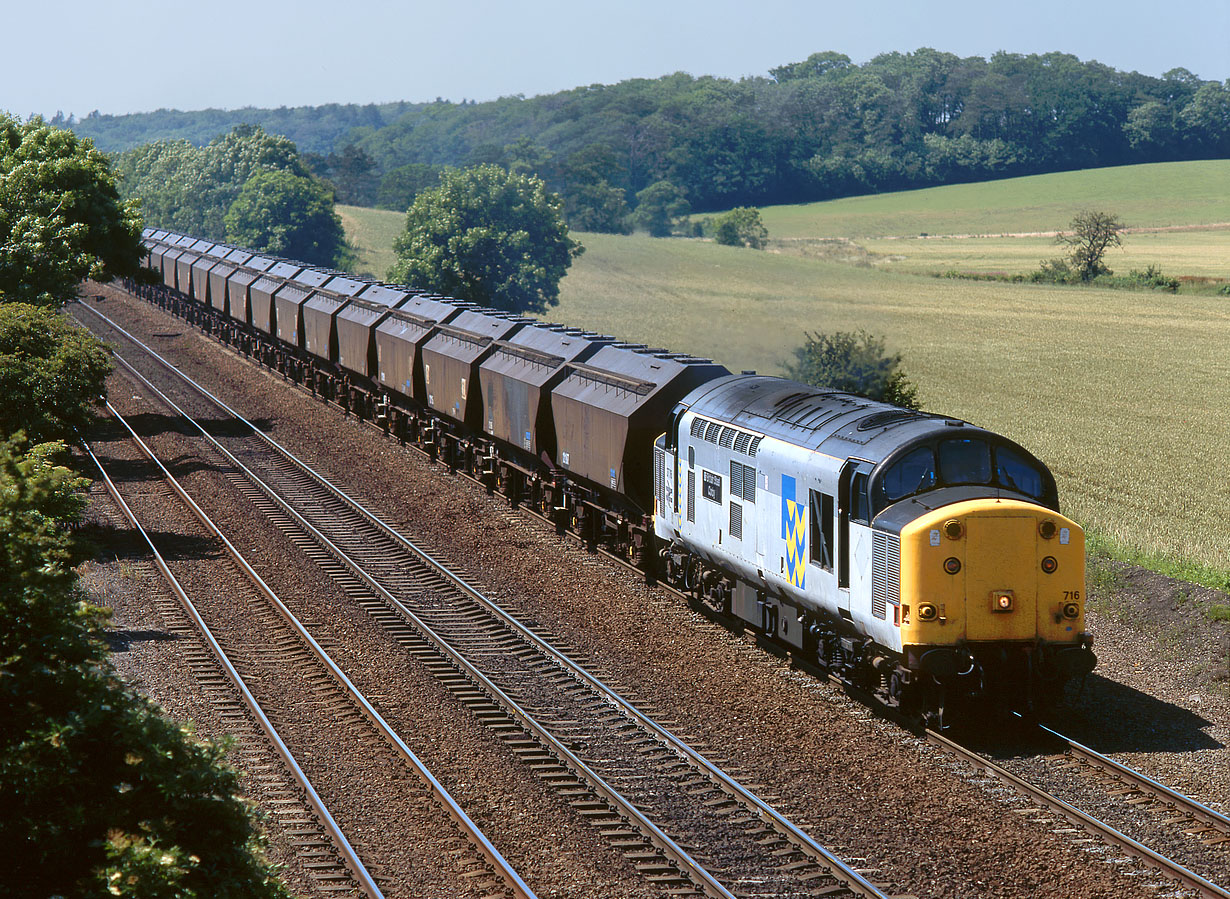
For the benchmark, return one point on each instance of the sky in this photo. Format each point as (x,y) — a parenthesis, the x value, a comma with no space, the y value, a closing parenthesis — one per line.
(121,56)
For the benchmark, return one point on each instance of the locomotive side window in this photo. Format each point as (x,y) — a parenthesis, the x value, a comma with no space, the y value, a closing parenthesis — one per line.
(821,530)
(860,505)
(913,474)
(965,461)
(1015,472)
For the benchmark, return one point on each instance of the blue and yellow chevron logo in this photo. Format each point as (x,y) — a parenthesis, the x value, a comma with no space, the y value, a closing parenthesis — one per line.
(794,532)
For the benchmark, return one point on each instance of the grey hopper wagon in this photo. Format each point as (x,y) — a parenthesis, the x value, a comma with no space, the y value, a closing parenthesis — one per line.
(237,284)
(219,275)
(201,268)
(356,327)
(517,379)
(186,264)
(168,258)
(609,410)
(319,314)
(400,339)
(451,358)
(262,290)
(288,303)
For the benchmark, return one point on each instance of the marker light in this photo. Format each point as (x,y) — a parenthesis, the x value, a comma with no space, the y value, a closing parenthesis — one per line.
(953,529)
(1071,610)
(1047,529)
(952,565)
(927,612)
(1049,564)
(1001,601)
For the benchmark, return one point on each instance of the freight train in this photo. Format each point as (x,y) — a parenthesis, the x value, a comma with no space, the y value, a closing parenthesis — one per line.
(916,556)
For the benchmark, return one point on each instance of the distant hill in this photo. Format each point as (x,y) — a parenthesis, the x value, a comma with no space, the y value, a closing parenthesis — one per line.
(314,129)
(812,130)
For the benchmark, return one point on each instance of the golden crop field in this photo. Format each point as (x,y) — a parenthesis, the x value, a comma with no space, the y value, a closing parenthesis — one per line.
(1124,394)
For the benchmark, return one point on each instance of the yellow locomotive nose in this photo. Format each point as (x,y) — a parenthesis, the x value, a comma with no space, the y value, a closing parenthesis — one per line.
(1002,571)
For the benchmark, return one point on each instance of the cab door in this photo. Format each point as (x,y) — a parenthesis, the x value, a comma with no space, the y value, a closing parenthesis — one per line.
(852,506)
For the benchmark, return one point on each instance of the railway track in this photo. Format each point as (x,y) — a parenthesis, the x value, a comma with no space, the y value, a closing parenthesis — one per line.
(1181,811)
(1140,786)
(286,649)
(686,823)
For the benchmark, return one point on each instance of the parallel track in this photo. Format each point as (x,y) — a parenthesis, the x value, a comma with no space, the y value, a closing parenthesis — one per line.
(502,876)
(586,732)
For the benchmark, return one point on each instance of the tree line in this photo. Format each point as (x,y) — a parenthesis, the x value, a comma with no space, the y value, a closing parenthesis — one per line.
(821,128)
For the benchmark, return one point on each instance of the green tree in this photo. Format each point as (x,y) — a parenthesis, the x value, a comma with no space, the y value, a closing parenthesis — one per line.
(101,796)
(278,212)
(741,227)
(658,207)
(399,187)
(854,362)
(61,216)
(51,373)
(487,236)
(1093,233)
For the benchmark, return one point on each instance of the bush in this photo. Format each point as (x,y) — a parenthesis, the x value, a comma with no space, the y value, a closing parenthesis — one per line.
(741,227)
(854,362)
(1153,279)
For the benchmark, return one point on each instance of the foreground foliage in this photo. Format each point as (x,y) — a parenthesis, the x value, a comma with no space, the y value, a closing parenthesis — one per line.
(51,373)
(61,216)
(101,796)
(486,236)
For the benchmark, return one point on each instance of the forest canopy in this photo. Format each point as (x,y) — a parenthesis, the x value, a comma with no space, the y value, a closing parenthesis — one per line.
(815,129)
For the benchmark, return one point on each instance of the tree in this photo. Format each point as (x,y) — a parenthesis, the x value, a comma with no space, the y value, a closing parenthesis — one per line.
(51,373)
(1093,233)
(658,207)
(741,227)
(100,795)
(61,216)
(487,236)
(399,187)
(278,212)
(854,362)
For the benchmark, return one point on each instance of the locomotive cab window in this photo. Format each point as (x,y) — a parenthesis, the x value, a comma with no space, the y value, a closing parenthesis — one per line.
(913,474)
(965,461)
(1015,472)
(860,505)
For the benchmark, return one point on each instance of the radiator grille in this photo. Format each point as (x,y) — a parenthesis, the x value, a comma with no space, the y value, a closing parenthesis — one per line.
(736,521)
(691,496)
(885,573)
(659,480)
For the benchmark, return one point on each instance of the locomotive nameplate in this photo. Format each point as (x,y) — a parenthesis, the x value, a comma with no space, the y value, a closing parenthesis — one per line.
(711,486)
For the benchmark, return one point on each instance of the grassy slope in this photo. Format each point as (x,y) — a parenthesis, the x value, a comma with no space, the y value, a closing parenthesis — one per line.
(1122,393)
(372,231)
(1153,196)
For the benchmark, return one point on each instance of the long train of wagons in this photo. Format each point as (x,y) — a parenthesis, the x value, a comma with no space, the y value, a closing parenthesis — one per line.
(920,557)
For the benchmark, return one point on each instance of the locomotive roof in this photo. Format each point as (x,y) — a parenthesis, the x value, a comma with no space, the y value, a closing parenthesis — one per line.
(838,424)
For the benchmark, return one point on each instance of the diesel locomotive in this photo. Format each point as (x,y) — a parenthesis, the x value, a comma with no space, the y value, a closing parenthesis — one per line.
(919,557)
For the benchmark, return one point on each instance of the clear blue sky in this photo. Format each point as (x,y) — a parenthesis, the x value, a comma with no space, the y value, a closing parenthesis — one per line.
(127,56)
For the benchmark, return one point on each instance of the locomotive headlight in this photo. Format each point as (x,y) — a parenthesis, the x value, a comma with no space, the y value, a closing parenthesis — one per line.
(952,564)
(1047,529)
(953,529)
(1001,601)
(1049,564)
(1071,610)
(927,611)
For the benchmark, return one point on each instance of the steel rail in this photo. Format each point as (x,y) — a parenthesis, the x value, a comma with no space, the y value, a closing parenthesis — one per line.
(767,813)
(1091,825)
(1176,800)
(503,868)
(350,858)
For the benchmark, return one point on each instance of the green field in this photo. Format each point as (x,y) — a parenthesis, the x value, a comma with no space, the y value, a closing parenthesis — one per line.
(1143,196)
(1124,394)
(372,232)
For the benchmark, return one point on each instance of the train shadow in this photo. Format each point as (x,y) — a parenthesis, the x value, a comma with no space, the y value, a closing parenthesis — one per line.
(1112,717)
(123,640)
(105,542)
(1103,714)
(148,424)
